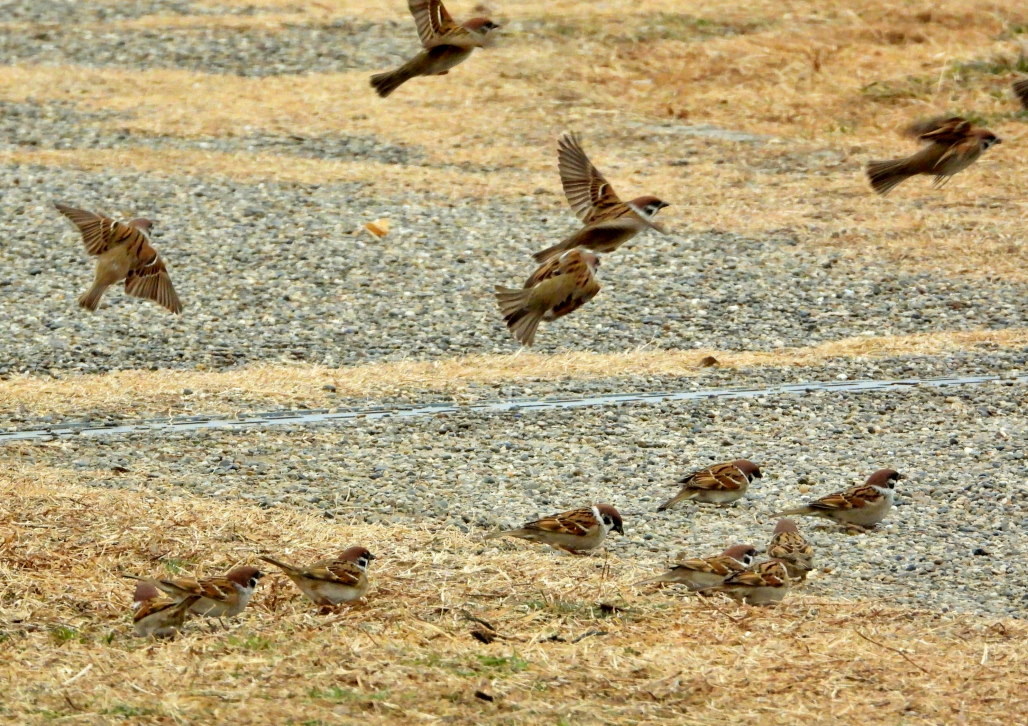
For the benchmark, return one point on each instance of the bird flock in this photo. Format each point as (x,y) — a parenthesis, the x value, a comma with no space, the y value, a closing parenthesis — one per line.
(735,572)
(564,280)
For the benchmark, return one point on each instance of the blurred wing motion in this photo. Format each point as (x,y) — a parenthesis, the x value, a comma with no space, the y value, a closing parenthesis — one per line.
(436,27)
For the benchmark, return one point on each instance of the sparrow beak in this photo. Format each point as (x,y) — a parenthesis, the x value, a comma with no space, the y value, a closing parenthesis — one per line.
(620,528)
(901,476)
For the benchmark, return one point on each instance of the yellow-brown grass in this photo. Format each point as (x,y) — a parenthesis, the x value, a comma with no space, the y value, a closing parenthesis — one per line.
(408,654)
(138,393)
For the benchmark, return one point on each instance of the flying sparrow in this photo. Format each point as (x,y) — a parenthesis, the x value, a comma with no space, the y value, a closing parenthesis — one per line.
(560,286)
(702,572)
(331,581)
(123,252)
(720,484)
(153,616)
(576,531)
(1021,89)
(216,597)
(952,145)
(789,546)
(609,222)
(761,584)
(859,507)
(445,42)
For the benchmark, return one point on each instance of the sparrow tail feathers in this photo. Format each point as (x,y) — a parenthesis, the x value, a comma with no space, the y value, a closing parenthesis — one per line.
(288,569)
(90,300)
(794,511)
(386,83)
(521,321)
(884,175)
(673,501)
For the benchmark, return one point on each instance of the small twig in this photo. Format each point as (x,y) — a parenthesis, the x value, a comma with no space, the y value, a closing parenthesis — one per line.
(78,675)
(588,634)
(485,623)
(897,651)
(71,703)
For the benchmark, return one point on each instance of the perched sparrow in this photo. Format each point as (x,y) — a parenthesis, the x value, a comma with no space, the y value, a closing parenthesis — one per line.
(1021,89)
(331,581)
(446,44)
(789,546)
(216,597)
(123,252)
(560,286)
(953,144)
(720,484)
(859,507)
(575,531)
(609,222)
(160,618)
(702,572)
(761,584)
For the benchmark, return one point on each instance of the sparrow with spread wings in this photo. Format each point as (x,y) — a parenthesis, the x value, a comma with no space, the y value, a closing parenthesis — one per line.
(560,286)
(609,222)
(123,252)
(446,43)
(951,145)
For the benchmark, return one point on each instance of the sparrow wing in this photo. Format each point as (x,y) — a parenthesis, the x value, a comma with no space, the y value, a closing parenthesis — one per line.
(577,522)
(99,233)
(549,268)
(720,565)
(179,587)
(941,129)
(766,574)
(153,606)
(589,194)
(150,280)
(789,544)
(338,571)
(583,288)
(966,149)
(219,589)
(436,27)
(721,478)
(853,498)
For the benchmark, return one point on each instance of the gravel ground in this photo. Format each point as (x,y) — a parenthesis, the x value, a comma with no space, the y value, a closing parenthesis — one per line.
(272,272)
(335,47)
(961,448)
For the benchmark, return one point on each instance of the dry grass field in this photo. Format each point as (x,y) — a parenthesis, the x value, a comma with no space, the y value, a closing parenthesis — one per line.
(779,106)
(574,642)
